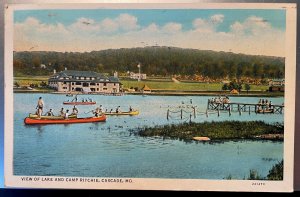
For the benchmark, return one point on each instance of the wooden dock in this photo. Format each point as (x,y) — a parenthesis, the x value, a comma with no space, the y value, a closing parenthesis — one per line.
(245,107)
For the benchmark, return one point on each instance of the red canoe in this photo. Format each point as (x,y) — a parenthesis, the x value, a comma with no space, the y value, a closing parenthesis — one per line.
(64,121)
(79,103)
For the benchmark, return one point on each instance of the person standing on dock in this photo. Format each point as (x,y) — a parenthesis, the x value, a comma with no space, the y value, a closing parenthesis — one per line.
(39,107)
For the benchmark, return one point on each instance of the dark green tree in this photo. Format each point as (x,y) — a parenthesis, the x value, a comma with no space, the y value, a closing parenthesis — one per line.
(247,87)
(225,86)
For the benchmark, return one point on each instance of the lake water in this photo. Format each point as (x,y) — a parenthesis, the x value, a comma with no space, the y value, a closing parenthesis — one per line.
(109,150)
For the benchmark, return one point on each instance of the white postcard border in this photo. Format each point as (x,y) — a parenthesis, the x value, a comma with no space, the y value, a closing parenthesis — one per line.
(154,183)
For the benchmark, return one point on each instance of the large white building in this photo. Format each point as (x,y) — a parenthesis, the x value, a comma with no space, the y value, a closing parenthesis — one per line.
(83,81)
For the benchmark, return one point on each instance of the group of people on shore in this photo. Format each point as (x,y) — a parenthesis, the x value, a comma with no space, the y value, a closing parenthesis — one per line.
(62,112)
(220,100)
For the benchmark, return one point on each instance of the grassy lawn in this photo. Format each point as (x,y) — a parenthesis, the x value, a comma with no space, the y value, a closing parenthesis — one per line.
(25,81)
(152,84)
(182,86)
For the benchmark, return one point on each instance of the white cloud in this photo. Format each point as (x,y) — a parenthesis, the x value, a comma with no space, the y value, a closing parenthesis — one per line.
(151,28)
(109,25)
(172,27)
(218,18)
(252,26)
(127,22)
(199,22)
(208,25)
(254,35)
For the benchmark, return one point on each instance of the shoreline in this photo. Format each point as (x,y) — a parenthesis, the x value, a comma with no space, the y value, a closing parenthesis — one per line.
(167,93)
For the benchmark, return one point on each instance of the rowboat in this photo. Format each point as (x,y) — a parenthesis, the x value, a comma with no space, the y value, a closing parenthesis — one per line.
(130,113)
(264,111)
(32,121)
(79,103)
(50,117)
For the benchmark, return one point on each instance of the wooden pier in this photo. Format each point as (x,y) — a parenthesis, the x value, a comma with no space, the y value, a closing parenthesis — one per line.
(245,107)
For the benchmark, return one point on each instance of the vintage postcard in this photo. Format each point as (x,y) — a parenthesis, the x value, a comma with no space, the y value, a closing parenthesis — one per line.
(166,96)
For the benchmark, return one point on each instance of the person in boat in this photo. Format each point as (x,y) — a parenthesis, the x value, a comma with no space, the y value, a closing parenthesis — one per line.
(62,113)
(101,109)
(49,113)
(271,107)
(130,109)
(39,107)
(118,109)
(97,112)
(66,114)
(259,102)
(74,110)
(111,110)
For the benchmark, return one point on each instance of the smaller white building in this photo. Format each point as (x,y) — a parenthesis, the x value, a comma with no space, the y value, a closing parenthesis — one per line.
(137,75)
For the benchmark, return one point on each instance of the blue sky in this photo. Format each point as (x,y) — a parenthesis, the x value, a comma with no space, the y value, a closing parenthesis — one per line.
(102,27)
(161,16)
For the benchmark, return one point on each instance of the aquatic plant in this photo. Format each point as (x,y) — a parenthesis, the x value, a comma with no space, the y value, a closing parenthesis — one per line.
(214,130)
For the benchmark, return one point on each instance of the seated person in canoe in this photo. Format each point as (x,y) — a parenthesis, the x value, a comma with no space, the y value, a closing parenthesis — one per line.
(97,112)
(74,111)
(49,113)
(66,114)
(118,109)
(61,112)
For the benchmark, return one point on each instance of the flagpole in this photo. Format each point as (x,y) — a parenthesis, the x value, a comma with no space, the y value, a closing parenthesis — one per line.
(139,78)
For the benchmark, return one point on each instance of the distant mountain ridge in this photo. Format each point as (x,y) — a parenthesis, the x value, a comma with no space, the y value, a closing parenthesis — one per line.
(155,60)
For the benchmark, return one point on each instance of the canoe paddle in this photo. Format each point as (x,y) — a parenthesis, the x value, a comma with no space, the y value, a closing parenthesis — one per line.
(88,112)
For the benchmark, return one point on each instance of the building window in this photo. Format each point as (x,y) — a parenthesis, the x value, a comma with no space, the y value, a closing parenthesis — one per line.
(97,89)
(93,89)
(78,83)
(104,84)
(97,84)
(64,87)
(92,84)
(85,84)
(104,88)
(84,78)
(114,84)
(65,82)
(73,83)
(72,88)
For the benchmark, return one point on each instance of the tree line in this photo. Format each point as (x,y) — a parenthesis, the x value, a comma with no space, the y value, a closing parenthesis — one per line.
(157,61)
